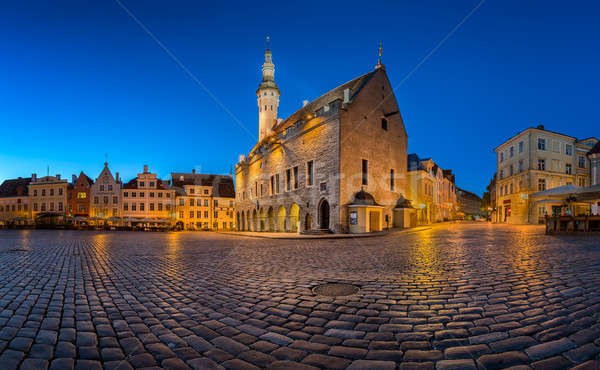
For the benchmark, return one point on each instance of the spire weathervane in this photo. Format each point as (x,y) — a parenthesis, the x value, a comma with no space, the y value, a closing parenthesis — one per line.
(380,52)
(268,39)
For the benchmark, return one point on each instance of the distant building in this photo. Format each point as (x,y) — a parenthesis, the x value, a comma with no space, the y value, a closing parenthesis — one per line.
(534,160)
(431,190)
(594,158)
(469,204)
(148,200)
(78,197)
(337,164)
(48,197)
(14,201)
(204,202)
(105,195)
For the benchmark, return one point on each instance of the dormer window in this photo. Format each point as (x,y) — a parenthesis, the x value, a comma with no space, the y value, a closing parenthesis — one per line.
(141,183)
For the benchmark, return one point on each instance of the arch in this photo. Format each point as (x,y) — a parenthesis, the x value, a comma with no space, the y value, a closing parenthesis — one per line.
(307,222)
(261,219)
(324,214)
(247,220)
(237,219)
(242,225)
(254,221)
(294,217)
(270,219)
(281,224)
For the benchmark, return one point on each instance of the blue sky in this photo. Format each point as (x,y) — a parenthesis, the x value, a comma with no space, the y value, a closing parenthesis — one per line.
(79,80)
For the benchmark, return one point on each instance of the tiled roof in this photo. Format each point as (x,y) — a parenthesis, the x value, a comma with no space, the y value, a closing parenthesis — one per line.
(14,187)
(222,185)
(160,184)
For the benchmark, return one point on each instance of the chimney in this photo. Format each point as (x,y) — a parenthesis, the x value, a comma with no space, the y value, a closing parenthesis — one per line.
(74,178)
(346,96)
(33,177)
(116,176)
(304,103)
(58,176)
(193,171)
(145,168)
(541,127)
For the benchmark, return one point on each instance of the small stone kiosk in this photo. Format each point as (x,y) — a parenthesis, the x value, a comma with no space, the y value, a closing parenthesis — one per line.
(364,214)
(405,215)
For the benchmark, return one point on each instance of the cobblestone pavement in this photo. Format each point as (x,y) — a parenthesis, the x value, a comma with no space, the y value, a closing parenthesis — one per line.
(450,297)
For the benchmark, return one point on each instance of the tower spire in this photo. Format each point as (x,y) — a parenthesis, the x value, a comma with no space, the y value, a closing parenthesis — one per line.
(380,57)
(268,39)
(267,96)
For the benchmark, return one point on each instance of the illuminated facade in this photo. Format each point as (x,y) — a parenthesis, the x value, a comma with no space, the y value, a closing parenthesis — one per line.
(204,202)
(307,172)
(147,199)
(431,190)
(105,195)
(535,160)
(48,195)
(78,196)
(14,201)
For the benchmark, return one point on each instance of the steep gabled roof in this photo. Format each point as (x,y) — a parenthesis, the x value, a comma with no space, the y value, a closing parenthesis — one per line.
(14,187)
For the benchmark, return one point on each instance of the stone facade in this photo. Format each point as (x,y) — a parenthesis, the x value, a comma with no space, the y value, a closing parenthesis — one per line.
(304,175)
(534,160)
(105,195)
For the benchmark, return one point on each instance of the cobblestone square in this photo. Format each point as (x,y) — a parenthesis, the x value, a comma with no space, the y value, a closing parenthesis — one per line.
(454,296)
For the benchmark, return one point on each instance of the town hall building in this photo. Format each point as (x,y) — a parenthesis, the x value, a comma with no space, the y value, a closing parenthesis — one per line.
(338,164)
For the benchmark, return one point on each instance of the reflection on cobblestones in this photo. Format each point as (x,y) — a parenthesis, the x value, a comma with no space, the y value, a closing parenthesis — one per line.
(453,296)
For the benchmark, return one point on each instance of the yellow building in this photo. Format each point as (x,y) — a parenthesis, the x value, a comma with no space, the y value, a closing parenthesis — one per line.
(536,160)
(148,201)
(14,202)
(204,202)
(432,190)
(48,197)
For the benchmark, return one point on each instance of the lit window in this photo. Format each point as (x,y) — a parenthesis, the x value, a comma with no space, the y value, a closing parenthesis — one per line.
(81,195)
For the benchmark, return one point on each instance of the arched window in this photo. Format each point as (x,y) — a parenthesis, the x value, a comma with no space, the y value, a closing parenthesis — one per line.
(384,124)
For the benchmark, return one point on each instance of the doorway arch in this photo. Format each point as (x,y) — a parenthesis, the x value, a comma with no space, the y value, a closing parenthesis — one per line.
(254,221)
(247,225)
(270,219)
(307,222)
(324,214)
(261,220)
(281,219)
(294,217)
(238,223)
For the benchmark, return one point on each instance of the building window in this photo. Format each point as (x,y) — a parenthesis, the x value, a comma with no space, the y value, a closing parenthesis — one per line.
(180,214)
(191,190)
(160,194)
(141,194)
(151,194)
(141,206)
(198,214)
(541,184)
(35,193)
(205,214)
(261,190)
(160,207)
(133,194)
(541,144)
(141,184)
(392,180)
(109,187)
(133,206)
(581,181)
(125,194)
(501,157)
(191,202)
(569,149)
(568,169)
(581,162)
(365,172)
(309,173)
(520,147)
(384,124)
(295,177)
(323,186)
(51,192)
(288,179)
(541,165)
(105,199)
(60,206)
(101,187)
(512,151)
(125,206)
(152,206)
(520,166)
(115,200)
(96,200)
(191,214)
(216,214)
(277,190)
(272,187)
(205,202)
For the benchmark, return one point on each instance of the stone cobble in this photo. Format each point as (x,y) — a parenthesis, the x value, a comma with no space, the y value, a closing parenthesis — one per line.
(461,296)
